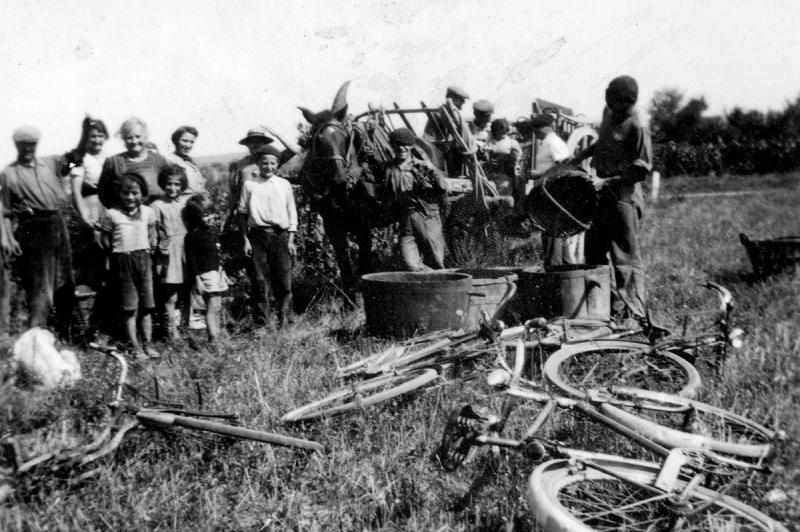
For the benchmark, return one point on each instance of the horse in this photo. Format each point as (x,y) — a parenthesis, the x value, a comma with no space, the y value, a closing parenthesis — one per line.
(335,176)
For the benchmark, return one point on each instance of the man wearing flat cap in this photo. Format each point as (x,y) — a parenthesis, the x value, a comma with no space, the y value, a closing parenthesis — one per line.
(479,126)
(417,189)
(443,123)
(622,158)
(31,192)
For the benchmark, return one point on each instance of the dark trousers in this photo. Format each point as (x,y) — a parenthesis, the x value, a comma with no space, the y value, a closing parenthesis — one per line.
(5,298)
(45,268)
(421,241)
(615,233)
(272,271)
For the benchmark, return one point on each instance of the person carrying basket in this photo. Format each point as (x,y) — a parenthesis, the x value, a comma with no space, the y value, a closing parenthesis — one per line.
(622,158)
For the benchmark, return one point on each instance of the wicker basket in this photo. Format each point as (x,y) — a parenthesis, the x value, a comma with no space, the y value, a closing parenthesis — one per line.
(772,256)
(563,203)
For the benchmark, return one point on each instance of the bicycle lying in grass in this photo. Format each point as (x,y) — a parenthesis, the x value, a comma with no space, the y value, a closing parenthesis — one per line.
(413,364)
(577,490)
(126,415)
(418,362)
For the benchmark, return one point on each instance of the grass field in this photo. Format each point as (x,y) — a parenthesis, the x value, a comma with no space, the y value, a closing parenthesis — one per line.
(378,472)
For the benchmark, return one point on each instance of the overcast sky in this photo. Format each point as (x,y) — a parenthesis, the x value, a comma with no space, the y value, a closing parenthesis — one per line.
(225,65)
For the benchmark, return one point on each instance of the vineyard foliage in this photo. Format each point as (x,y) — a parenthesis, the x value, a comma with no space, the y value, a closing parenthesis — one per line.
(739,143)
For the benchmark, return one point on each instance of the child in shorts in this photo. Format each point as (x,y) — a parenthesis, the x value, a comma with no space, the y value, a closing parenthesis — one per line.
(129,232)
(170,264)
(203,263)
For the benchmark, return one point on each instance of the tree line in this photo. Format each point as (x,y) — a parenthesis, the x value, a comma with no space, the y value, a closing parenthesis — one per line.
(740,142)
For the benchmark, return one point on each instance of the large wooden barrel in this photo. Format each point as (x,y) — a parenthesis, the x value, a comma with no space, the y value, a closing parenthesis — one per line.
(570,291)
(405,304)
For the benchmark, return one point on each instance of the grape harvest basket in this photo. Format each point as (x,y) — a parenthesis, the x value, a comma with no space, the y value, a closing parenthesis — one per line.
(772,256)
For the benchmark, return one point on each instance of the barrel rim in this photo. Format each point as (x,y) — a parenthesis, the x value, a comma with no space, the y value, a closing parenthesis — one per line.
(421,277)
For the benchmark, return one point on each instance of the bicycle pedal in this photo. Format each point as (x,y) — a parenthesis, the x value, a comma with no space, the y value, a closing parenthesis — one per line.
(668,475)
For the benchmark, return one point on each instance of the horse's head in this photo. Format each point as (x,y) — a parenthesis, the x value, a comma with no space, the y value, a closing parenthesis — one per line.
(330,144)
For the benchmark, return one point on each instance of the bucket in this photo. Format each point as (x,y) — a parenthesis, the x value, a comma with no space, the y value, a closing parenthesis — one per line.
(404,304)
(770,257)
(563,203)
(491,290)
(570,291)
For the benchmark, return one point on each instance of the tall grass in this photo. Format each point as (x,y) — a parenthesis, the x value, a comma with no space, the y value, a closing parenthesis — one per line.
(378,472)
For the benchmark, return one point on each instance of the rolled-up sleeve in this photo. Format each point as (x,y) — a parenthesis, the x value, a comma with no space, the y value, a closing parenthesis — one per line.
(244,200)
(642,162)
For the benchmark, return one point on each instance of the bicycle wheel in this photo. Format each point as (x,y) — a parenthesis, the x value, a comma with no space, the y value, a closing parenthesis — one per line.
(563,499)
(701,426)
(578,368)
(362,394)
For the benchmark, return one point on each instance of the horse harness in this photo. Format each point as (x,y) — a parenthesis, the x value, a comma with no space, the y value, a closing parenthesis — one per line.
(348,133)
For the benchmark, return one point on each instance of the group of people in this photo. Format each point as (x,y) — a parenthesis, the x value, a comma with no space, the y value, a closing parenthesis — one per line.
(147,235)
(621,158)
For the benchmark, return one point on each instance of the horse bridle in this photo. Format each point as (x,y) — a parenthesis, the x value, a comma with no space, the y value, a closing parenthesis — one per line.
(348,133)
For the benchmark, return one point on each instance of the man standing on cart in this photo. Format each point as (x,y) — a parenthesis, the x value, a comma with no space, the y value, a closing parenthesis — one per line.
(444,124)
(622,157)
(480,125)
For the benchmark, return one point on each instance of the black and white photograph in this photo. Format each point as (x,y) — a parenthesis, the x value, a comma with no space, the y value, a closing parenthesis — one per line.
(381,265)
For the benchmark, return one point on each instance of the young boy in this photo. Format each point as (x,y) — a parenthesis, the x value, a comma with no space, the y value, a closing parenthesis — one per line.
(268,219)
(129,232)
(622,157)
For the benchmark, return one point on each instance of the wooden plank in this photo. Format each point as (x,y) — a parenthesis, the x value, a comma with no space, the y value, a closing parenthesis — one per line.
(403,117)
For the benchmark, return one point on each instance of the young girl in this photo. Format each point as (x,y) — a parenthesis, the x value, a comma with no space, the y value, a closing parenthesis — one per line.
(170,263)
(129,232)
(203,263)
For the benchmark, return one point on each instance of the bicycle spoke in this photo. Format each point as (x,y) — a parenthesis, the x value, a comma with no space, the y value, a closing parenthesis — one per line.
(613,505)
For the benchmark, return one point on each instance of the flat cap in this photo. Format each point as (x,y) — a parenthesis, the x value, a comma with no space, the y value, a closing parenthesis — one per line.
(483,106)
(268,149)
(27,134)
(402,137)
(256,133)
(452,90)
(542,120)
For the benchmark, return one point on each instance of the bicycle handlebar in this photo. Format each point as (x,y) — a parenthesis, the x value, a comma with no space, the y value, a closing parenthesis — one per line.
(725,297)
(123,374)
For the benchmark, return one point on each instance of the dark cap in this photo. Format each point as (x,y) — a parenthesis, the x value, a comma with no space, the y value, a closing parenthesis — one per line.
(542,120)
(483,106)
(256,134)
(622,90)
(402,137)
(452,90)
(268,149)
(27,134)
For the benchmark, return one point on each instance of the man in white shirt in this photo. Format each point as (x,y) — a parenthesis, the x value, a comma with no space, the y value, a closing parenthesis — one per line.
(479,126)
(550,152)
(551,149)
